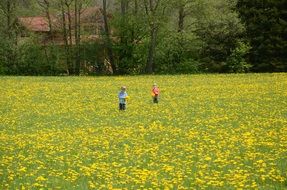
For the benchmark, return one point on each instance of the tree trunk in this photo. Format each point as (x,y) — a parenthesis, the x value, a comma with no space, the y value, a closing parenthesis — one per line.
(181,16)
(151,50)
(107,37)
(123,38)
(65,35)
(77,37)
(136,7)
(135,14)
(123,7)
(72,62)
(46,6)
(9,7)
(10,14)
(151,8)
(69,24)
(9,19)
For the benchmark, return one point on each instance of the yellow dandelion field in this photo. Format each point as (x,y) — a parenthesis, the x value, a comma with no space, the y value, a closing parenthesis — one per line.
(206,132)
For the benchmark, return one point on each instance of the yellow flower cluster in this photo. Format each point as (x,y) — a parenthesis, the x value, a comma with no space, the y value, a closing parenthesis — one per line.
(207,132)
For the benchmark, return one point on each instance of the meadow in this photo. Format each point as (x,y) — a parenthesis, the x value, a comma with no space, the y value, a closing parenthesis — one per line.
(207,132)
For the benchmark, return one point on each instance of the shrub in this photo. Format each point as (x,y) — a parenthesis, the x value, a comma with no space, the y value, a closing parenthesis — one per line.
(236,62)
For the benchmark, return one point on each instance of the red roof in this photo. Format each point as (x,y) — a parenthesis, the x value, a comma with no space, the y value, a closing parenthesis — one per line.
(41,24)
(37,24)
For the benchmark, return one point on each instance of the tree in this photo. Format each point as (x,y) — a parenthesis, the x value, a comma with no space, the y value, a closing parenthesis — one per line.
(66,32)
(137,27)
(236,62)
(219,28)
(9,35)
(184,8)
(108,38)
(77,28)
(266,25)
(130,28)
(152,10)
(182,41)
(46,6)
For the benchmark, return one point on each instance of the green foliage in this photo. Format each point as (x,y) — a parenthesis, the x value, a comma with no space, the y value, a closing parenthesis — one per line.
(266,25)
(8,57)
(93,56)
(4,48)
(177,53)
(236,62)
(29,7)
(219,28)
(190,36)
(131,31)
(137,27)
(188,66)
(36,59)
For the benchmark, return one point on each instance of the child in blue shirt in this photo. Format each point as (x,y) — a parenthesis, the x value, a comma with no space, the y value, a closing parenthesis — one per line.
(122,98)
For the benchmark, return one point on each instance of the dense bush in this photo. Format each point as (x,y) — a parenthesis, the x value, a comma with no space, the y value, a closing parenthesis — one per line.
(37,59)
(236,62)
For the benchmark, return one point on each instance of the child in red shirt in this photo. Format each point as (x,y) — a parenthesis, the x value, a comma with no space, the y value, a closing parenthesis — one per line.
(155,93)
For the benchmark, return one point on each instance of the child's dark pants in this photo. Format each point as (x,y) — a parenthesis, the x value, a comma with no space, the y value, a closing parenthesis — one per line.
(155,99)
(122,106)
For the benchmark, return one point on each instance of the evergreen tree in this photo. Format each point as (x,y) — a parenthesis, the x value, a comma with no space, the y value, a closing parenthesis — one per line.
(218,26)
(266,25)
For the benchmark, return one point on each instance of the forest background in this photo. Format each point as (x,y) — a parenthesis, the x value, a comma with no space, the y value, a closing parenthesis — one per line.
(142,37)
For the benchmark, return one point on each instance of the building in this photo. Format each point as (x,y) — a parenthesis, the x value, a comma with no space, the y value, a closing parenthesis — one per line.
(91,24)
